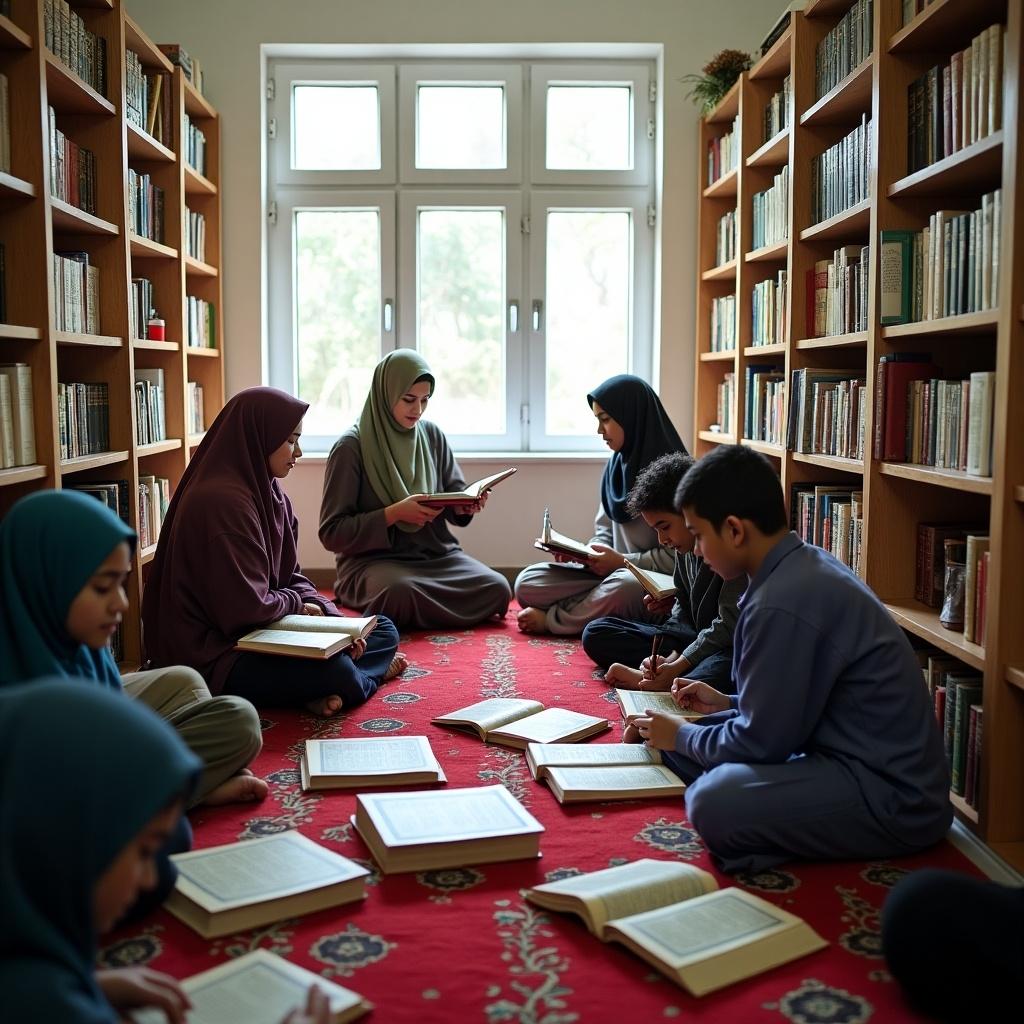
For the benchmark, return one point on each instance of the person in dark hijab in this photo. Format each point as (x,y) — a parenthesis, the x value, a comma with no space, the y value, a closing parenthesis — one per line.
(563,598)
(227,563)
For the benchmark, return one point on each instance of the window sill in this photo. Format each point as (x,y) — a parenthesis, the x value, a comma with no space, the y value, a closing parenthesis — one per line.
(520,458)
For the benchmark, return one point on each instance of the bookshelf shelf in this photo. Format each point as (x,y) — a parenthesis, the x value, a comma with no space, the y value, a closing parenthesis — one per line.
(753,351)
(724,187)
(158,447)
(923,621)
(196,104)
(12,37)
(951,478)
(143,146)
(147,51)
(974,169)
(66,217)
(967,323)
(147,554)
(728,107)
(715,438)
(826,8)
(14,332)
(68,94)
(775,63)
(852,223)
(197,268)
(87,340)
(1015,676)
(720,273)
(776,451)
(835,341)
(718,357)
(21,475)
(148,345)
(194,440)
(775,253)
(15,188)
(99,5)
(147,248)
(852,96)
(830,462)
(963,807)
(774,153)
(198,350)
(84,462)
(198,184)
(931,29)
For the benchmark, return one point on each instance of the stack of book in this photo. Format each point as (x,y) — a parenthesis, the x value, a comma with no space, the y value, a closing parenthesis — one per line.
(76,293)
(723,323)
(154,497)
(195,147)
(771,212)
(145,206)
(83,414)
(201,320)
(67,38)
(768,313)
(726,397)
(195,235)
(150,419)
(831,516)
(140,307)
(840,177)
(725,239)
(147,96)
(765,396)
(778,110)
(578,772)
(196,417)
(72,170)
(17,428)
(112,493)
(723,153)
(827,412)
(846,47)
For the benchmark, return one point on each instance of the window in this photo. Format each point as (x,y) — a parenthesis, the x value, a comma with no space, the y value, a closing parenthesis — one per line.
(495,216)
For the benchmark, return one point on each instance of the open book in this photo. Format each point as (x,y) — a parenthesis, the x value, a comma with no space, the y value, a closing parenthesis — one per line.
(307,636)
(675,917)
(657,584)
(602,771)
(636,703)
(374,761)
(472,493)
(515,723)
(257,988)
(557,543)
(445,828)
(231,888)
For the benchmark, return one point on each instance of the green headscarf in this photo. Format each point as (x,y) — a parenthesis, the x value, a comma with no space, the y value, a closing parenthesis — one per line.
(396,460)
(51,542)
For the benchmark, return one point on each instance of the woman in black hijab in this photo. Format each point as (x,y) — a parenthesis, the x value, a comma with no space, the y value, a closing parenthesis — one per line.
(563,598)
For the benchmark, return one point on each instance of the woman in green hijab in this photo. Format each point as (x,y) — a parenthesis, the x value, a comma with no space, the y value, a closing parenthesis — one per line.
(395,556)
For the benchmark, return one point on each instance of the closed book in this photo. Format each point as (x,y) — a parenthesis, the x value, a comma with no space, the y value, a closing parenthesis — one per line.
(894,413)
(965,697)
(979,424)
(20,377)
(971,771)
(895,254)
(307,636)
(976,545)
(572,785)
(373,761)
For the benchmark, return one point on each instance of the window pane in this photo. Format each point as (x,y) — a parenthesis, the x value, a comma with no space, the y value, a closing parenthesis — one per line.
(460,126)
(589,128)
(460,323)
(336,128)
(589,299)
(337,313)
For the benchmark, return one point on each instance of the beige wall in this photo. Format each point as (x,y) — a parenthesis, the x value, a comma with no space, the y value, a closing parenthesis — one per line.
(227,36)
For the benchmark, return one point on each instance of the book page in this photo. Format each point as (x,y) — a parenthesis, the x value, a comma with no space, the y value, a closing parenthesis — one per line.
(314,641)
(325,624)
(550,724)
(258,870)
(370,756)
(409,819)
(614,777)
(494,712)
(576,547)
(637,702)
(593,754)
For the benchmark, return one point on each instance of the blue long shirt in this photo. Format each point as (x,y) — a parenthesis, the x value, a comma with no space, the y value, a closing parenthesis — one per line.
(821,667)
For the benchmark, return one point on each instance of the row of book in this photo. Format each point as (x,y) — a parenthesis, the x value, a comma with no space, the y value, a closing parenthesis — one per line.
(957,694)
(840,177)
(770,212)
(778,111)
(723,153)
(723,323)
(910,9)
(949,268)
(72,169)
(837,293)
(154,497)
(196,416)
(768,313)
(765,398)
(918,421)
(195,146)
(955,104)
(148,99)
(832,517)
(966,548)
(150,416)
(195,235)
(725,239)
(76,293)
(67,38)
(845,47)
(141,306)
(827,413)
(189,65)
(5,126)
(83,418)
(200,322)
(17,426)
(726,397)
(145,206)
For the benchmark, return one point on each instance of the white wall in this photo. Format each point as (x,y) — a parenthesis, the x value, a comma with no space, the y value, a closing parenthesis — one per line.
(227,35)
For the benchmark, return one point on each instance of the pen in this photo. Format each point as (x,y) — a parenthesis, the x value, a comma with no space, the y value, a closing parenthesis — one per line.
(655,647)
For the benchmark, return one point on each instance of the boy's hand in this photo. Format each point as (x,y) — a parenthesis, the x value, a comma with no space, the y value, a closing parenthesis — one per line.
(606,561)
(309,608)
(691,695)
(658,605)
(660,674)
(659,729)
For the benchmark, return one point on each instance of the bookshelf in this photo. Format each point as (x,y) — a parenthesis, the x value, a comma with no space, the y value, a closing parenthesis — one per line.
(896,495)
(39,224)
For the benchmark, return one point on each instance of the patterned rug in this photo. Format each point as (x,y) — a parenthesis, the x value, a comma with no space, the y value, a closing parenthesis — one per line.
(462,945)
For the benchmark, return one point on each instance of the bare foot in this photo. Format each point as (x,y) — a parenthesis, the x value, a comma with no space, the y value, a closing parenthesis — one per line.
(399,663)
(631,734)
(325,707)
(624,677)
(239,789)
(532,620)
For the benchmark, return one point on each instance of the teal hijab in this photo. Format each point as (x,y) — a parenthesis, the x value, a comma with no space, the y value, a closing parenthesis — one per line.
(396,460)
(82,772)
(51,543)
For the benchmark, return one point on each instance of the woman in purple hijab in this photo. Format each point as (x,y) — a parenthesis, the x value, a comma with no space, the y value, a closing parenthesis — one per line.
(227,563)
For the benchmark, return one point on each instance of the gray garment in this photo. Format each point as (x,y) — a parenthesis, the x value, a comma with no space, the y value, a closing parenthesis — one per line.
(420,580)
(572,596)
(223,732)
(706,605)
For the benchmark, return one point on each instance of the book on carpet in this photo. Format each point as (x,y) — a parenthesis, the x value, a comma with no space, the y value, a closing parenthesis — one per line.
(573,785)
(657,584)
(237,886)
(558,543)
(446,828)
(542,756)
(676,918)
(636,703)
(515,722)
(257,988)
(472,493)
(374,761)
(307,636)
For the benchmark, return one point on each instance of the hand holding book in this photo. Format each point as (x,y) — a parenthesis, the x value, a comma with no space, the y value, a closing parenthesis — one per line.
(693,696)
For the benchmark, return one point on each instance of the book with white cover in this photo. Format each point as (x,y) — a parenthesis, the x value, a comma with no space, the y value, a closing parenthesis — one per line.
(572,785)
(636,703)
(373,761)
(515,722)
(657,584)
(307,636)
(542,756)
(20,377)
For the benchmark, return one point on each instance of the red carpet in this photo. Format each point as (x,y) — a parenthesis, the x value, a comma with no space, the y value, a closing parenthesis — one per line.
(461,945)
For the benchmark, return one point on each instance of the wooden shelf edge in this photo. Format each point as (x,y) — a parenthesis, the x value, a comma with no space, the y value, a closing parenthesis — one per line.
(776,451)
(84,462)
(1015,676)
(856,219)
(923,621)
(139,43)
(21,474)
(774,152)
(963,807)
(87,340)
(715,357)
(776,252)
(723,187)
(951,478)
(834,341)
(147,344)
(88,99)
(823,8)
(983,321)
(64,215)
(194,440)
(931,25)
(145,146)
(727,107)
(199,350)
(201,183)
(147,554)
(158,447)
(18,333)
(852,91)
(15,186)
(198,268)
(778,349)
(716,438)
(12,37)
(196,104)
(720,273)
(147,248)
(931,177)
(776,62)
(830,462)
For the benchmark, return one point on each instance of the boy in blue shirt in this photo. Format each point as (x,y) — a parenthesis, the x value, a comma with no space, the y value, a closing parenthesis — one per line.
(830,749)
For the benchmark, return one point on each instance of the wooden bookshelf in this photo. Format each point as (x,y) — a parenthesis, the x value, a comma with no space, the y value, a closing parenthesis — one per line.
(41,224)
(897,496)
